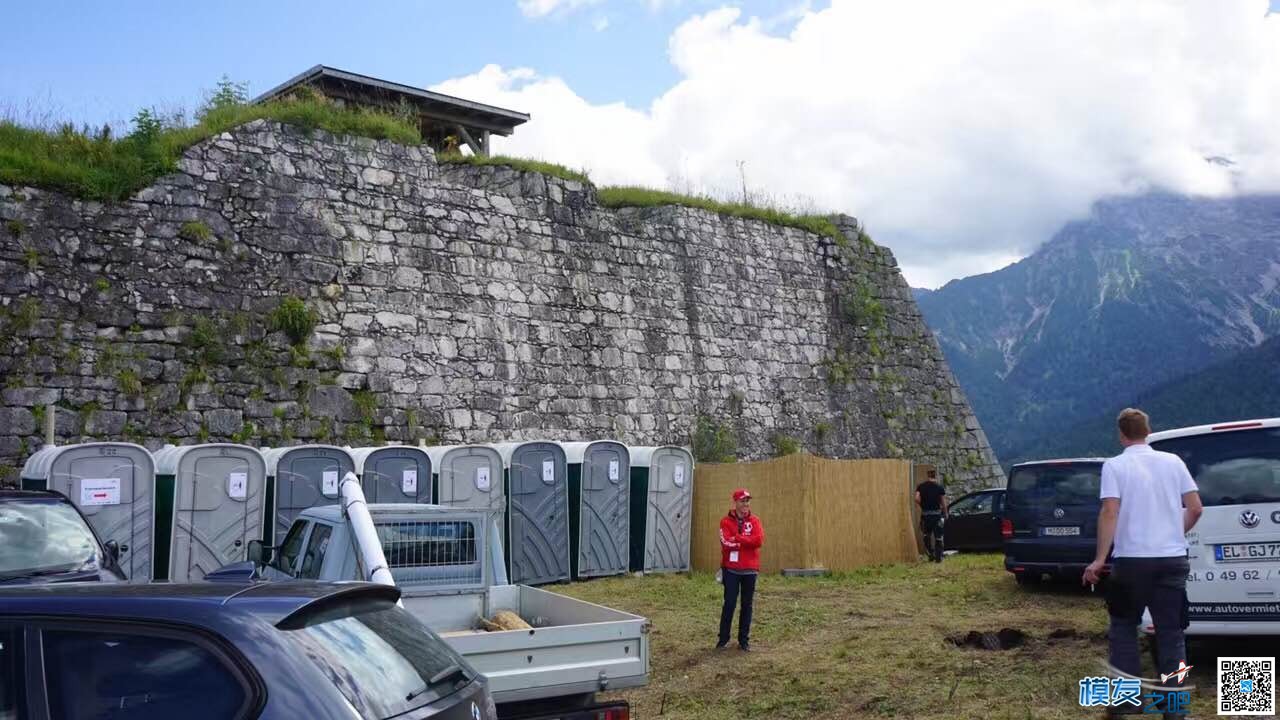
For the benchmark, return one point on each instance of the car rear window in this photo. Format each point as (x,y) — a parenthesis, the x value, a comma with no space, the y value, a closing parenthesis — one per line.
(1231,468)
(380,656)
(1066,484)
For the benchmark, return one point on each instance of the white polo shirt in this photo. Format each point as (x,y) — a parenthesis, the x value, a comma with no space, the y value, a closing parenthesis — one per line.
(1150,485)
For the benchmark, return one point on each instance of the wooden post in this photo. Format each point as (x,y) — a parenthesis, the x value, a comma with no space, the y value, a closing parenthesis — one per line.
(470,141)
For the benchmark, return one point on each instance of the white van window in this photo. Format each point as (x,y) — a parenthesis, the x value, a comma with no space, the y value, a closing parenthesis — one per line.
(1231,468)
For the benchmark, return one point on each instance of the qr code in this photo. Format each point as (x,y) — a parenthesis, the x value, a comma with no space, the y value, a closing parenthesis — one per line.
(1246,686)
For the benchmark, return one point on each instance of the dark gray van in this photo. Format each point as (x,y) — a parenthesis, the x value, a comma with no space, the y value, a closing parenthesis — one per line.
(1050,525)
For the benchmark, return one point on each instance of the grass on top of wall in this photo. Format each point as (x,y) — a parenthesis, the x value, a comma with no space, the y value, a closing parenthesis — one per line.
(97,166)
(631,196)
(515,163)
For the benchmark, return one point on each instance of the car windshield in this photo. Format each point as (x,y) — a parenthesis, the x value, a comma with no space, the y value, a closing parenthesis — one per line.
(1066,484)
(1231,468)
(382,659)
(44,536)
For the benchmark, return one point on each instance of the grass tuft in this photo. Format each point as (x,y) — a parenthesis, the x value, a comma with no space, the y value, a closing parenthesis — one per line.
(95,165)
(538,166)
(631,196)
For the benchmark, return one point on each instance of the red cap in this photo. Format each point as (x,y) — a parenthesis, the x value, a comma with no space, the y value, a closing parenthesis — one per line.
(741,494)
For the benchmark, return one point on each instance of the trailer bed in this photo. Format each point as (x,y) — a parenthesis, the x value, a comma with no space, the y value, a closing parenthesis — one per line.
(574,647)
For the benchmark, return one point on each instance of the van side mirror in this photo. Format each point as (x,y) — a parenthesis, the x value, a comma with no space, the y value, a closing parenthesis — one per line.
(113,551)
(257,553)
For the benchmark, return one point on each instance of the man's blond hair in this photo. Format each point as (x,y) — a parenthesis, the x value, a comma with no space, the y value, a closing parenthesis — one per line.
(1134,424)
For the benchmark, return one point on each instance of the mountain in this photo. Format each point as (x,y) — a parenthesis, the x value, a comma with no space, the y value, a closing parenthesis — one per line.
(1244,387)
(1145,291)
(918,293)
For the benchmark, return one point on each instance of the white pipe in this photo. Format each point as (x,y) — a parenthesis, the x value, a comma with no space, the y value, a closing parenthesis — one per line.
(50,425)
(373,561)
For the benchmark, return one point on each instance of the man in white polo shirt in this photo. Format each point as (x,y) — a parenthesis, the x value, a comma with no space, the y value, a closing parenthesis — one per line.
(1149,502)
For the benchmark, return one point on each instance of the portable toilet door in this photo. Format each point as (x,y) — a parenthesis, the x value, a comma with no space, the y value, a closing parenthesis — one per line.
(661,508)
(301,477)
(468,476)
(394,474)
(217,492)
(538,517)
(113,484)
(599,490)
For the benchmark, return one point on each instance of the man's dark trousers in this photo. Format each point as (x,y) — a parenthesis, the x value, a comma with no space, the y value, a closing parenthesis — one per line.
(735,583)
(1159,584)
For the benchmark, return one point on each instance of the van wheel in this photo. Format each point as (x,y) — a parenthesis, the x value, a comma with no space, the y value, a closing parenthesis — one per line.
(1027,578)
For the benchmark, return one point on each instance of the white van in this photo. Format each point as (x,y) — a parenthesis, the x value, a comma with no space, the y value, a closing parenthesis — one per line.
(1234,584)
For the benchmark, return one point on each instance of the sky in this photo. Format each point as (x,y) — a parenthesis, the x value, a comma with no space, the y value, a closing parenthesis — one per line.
(963,135)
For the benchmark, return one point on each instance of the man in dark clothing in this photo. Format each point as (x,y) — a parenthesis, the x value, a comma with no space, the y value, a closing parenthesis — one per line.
(741,535)
(932,499)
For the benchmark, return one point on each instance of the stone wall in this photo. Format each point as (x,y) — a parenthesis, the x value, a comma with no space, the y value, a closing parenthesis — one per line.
(453,304)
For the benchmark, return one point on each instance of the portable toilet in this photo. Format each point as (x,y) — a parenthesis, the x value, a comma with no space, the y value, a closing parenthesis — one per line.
(394,473)
(599,492)
(661,508)
(214,494)
(301,477)
(468,476)
(538,511)
(113,484)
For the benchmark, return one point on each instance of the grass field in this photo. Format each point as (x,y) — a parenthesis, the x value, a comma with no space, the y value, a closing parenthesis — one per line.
(871,643)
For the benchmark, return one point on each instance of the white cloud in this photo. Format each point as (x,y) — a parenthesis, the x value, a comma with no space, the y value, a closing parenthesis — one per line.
(542,8)
(962,134)
(600,24)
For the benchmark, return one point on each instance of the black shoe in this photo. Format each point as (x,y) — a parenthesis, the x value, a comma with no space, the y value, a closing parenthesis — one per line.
(744,647)
(722,644)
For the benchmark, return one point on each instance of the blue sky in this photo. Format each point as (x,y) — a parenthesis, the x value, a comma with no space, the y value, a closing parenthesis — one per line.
(963,135)
(101,61)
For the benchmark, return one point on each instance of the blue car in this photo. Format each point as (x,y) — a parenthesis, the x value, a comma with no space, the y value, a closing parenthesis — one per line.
(1050,523)
(45,539)
(226,651)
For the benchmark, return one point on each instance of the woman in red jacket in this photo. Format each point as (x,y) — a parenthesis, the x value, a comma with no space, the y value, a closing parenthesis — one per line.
(741,535)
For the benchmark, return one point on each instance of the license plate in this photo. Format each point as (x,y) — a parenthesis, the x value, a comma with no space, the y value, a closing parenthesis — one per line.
(1247,552)
(1073,530)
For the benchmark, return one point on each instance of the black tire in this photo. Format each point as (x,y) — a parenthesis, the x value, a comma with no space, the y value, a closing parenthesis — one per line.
(1027,579)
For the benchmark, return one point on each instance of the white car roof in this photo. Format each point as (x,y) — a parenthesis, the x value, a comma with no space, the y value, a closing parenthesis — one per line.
(1061,461)
(1217,427)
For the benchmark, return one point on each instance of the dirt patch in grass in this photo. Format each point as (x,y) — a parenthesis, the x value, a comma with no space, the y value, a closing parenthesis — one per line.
(872,643)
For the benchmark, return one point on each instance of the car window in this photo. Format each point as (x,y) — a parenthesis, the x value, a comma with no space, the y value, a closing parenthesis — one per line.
(1067,484)
(1231,468)
(284,560)
(961,506)
(44,536)
(380,656)
(133,675)
(974,505)
(313,559)
(12,684)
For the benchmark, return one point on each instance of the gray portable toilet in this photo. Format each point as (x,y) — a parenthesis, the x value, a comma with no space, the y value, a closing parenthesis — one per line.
(599,492)
(661,508)
(468,476)
(538,511)
(394,473)
(216,492)
(301,477)
(113,484)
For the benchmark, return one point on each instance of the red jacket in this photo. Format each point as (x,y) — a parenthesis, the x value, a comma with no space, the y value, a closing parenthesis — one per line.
(740,542)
